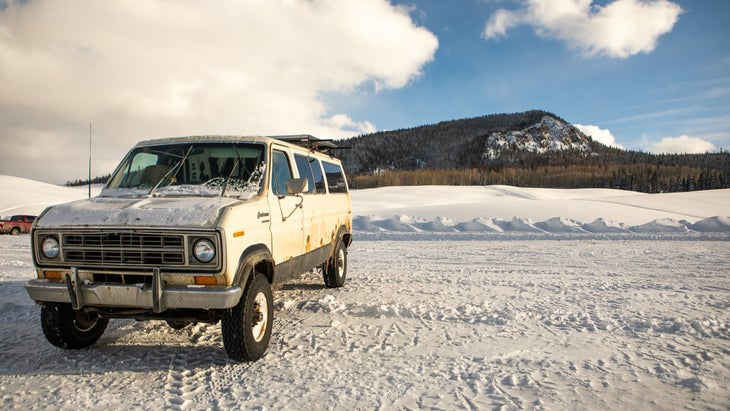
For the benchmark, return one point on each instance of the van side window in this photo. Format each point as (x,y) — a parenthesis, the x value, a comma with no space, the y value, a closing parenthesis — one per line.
(318,176)
(304,170)
(281,171)
(335,178)
(310,169)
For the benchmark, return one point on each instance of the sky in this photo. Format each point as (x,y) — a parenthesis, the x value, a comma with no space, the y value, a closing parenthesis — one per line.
(639,74)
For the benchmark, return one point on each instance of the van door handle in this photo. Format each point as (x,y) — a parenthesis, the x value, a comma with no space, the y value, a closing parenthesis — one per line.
(261,214)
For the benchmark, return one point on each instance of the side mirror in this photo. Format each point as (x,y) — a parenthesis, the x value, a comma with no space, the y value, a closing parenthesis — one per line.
(297,185)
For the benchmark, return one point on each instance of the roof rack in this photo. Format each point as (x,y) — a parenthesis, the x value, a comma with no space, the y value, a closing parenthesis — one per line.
(308,141)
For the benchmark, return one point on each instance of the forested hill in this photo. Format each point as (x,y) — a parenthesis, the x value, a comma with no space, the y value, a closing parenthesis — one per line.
(530,149)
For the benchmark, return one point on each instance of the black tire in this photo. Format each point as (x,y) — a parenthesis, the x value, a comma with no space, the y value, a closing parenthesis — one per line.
(334,270)
(247,327)
(65,327)
(15,231)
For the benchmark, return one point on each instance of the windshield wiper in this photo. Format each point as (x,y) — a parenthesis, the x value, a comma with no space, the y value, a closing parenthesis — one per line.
(228,180)
(173,170)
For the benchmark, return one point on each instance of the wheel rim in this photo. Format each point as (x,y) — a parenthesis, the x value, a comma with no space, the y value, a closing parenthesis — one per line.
(260,317)
(340,263)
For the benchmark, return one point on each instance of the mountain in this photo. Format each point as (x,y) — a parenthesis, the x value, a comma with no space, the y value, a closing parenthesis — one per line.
(465,143)
(530,149)
(549,134)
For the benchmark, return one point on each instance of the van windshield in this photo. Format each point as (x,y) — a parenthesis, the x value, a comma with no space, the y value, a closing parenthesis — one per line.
(190,169)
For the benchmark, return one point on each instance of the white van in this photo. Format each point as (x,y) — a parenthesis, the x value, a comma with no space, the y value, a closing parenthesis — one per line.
(193,229)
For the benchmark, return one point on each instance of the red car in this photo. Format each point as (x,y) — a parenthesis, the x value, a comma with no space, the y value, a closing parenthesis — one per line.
(16,224)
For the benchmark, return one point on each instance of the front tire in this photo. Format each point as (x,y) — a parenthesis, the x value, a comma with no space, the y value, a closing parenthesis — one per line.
(15,231)
(65,327)
(247,326)
(334,270)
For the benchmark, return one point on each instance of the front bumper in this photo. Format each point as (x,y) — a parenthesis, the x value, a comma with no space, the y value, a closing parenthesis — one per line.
(156,297)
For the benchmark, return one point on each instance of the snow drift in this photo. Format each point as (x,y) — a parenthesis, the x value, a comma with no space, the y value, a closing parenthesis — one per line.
(555,225)
(479,209)
(503,209)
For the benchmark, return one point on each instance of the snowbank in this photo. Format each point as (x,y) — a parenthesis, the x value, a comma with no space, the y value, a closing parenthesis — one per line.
(504,209)
(23,196)
(478,209)
(555,225)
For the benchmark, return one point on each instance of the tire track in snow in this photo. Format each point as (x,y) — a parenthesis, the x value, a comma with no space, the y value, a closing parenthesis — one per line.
(531,324)
(224,385)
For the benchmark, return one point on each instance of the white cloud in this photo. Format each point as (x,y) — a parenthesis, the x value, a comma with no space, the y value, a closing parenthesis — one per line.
(601,135)
(500,22)
(145,69)
(621,28)
(680,145)
(344,122)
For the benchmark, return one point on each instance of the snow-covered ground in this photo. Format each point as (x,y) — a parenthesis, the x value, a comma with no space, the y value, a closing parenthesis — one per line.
(431,318)
(504,209)
(480,210)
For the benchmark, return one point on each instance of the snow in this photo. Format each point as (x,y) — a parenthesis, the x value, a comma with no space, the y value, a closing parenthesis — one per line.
(23,196)
(538,210)
(430,209)
(547,135)
(138,212)
(444,315)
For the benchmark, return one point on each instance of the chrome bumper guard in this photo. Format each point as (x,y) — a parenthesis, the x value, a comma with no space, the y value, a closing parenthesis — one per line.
(158,297)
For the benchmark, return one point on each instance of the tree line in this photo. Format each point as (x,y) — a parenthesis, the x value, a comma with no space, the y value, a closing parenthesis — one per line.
(96,180)
(642,178)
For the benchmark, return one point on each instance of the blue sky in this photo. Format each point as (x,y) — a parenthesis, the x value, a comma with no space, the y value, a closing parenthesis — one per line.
(680,88)
(651,75)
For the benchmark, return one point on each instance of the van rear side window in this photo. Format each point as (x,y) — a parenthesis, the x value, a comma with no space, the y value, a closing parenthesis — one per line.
(335,177)
(310,169)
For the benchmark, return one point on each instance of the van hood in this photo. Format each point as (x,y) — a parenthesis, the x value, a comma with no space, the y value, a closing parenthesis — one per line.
(199,212)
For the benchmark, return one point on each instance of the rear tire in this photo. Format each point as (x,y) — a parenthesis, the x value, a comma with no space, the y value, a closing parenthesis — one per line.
(65,327)
(334,270)
(247,326)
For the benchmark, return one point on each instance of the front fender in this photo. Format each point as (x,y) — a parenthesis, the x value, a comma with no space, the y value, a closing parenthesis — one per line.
(257,256)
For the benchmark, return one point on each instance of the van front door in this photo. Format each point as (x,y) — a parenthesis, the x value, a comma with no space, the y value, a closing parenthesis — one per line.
(287,221)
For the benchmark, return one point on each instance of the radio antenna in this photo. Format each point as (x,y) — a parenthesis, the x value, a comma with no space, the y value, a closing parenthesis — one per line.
(90,121)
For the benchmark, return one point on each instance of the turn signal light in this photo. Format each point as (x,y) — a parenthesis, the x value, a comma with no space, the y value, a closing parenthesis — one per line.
(52,275)
(205,280)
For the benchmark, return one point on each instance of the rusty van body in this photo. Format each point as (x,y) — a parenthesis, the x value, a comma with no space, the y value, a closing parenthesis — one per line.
(193,229)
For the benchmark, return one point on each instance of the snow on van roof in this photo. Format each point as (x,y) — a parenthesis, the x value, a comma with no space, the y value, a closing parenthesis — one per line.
(311,143)
(203,139)
(303,140)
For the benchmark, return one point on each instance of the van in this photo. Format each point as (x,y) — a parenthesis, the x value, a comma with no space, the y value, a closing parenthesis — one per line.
(194,229)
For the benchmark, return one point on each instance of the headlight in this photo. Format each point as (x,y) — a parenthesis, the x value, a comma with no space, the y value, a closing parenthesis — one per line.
(49,247)
(204,250)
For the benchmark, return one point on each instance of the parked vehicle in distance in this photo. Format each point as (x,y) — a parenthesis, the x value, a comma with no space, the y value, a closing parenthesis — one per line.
(194,229)
(16,224)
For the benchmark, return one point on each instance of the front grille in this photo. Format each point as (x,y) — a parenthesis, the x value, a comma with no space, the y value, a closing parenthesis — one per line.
(124,248)
(123,278)
(122,240)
